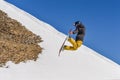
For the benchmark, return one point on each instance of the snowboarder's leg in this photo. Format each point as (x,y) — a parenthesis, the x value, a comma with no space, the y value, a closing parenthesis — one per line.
(79,43)
(73,42)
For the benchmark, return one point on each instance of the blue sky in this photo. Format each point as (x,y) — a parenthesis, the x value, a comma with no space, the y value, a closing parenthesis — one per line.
(100,17)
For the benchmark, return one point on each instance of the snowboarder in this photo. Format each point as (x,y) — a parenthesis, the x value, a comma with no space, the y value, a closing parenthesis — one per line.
(80,31)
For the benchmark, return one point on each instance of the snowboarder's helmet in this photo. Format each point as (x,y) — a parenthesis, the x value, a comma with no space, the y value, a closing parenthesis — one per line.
(77,23)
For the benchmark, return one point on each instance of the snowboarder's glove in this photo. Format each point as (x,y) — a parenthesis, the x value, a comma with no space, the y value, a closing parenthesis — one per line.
(70,32)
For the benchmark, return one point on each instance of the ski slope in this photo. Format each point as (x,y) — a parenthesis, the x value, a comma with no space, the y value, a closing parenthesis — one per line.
(83,64)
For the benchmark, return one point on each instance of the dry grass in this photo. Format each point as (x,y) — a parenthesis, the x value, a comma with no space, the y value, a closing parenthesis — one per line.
(17,44)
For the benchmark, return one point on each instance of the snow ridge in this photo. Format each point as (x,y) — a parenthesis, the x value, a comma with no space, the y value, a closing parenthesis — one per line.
(41,23)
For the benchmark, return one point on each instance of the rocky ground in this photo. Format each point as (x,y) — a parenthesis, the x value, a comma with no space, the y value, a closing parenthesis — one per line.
(17,44)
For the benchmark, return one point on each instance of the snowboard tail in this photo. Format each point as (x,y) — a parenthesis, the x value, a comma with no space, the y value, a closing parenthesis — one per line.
(62,46)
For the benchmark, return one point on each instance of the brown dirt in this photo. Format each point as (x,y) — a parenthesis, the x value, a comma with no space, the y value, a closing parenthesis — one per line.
(17,44)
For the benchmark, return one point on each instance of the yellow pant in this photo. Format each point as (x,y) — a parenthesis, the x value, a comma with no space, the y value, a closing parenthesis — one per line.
(75,44)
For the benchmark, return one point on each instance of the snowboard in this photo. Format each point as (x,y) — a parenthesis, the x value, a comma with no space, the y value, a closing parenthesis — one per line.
(62,46)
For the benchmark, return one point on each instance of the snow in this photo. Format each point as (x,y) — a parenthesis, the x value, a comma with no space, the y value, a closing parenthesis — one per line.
(83,64)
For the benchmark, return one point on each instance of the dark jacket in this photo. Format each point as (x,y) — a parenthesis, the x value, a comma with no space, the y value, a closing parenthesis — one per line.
(80,31)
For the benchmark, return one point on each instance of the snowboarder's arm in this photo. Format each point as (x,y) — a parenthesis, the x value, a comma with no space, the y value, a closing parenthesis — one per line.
(75,31)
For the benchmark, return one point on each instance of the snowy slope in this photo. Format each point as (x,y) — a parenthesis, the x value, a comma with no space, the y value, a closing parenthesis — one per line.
(83,64)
